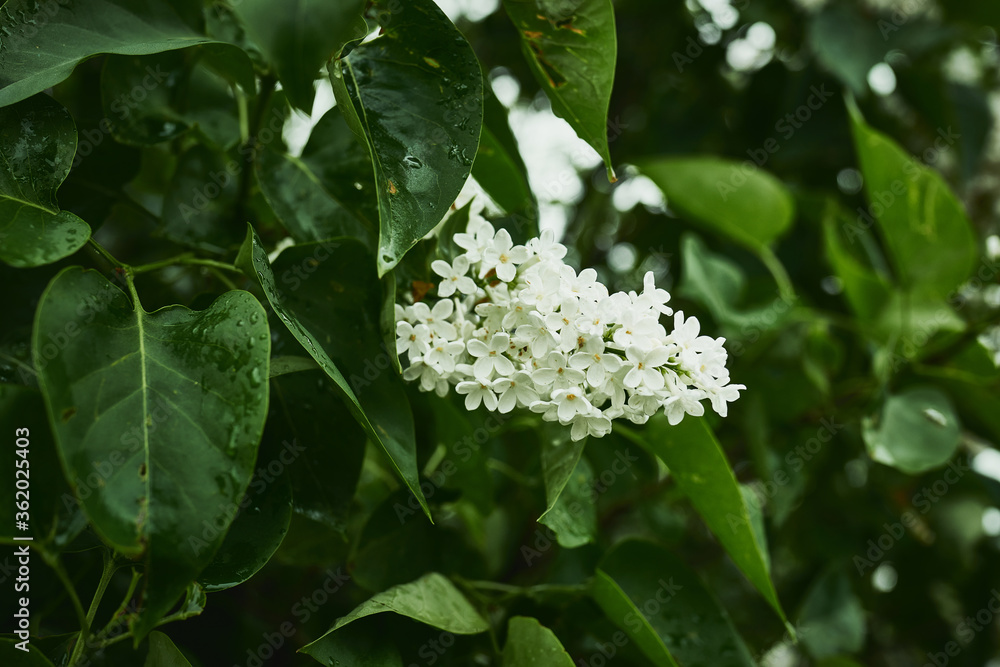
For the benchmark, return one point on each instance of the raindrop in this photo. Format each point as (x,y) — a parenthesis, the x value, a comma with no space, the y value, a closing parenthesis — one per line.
(253,318)
(413,162)
(357,185)
(255,377)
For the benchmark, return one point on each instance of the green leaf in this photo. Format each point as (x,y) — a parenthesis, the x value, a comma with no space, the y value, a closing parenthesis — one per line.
(315,196)
(531,644)
(573,517)
(262,517)
(499,168)
(413,96)
(163,653)
(167,407)
(834,616)
(847,44)
(559,455)
(571,48)
(200,202)
(699,466)
(37,144)
(916,431)
(332,307)
(42,46)
(286,364)
(301,38)
(928,236)
(662,605)
(864,289)
(751,207)
(325,469)
(11,655)
(432,599)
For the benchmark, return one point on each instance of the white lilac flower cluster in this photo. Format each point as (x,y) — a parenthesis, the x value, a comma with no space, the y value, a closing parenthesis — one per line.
(514,326)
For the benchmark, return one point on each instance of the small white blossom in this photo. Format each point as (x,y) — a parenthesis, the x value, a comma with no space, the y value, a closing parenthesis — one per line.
(544,337)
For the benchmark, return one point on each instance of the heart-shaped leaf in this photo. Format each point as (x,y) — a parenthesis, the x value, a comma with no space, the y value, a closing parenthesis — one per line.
(167,407)
(414,97)
(37,144)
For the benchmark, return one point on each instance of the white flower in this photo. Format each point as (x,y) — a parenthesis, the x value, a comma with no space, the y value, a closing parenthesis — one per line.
(412,339)
(645,371)
(571,402)
(477,392)
(545,337)
(491,357)
(518,390)
(503,256)
(454,276)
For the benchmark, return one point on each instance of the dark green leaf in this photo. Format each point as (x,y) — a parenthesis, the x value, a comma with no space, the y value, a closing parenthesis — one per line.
(916,431)
(431,599)
(261,520)
(163,653)
(319,196)
(139,95)
(571,48)
(663,606)
(927,234)
(560,455)
(834,617)
(44,42)
(499,168)
(199,205)
(332,306)
(573,517)
(531,644)
(170,405)
(291,364)
(37,144)
(750,207)
(301,38)
(847,44)
(697,462)
(864,289)
(413,96)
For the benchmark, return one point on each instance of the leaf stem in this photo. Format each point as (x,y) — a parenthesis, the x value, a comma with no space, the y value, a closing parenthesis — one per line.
(777,269)
(102,251)
(186,258)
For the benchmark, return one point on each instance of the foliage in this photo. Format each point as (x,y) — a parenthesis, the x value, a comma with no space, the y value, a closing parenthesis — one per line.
(198,371)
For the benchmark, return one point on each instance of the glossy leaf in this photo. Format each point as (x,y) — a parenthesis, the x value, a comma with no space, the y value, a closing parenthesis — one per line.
(318,196)
(413,96)
(36,58)
(138,94)
(330,303)
(431,599)
(262,517)
(917,430)
(571,49)
(139,397)
(559,455)
(751,207)
(163,653)
(301,38)
(199,205)
(698,464)
(573,517)
(37,144)
(654,597)
(499,168)
(928,236)
(531,644)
